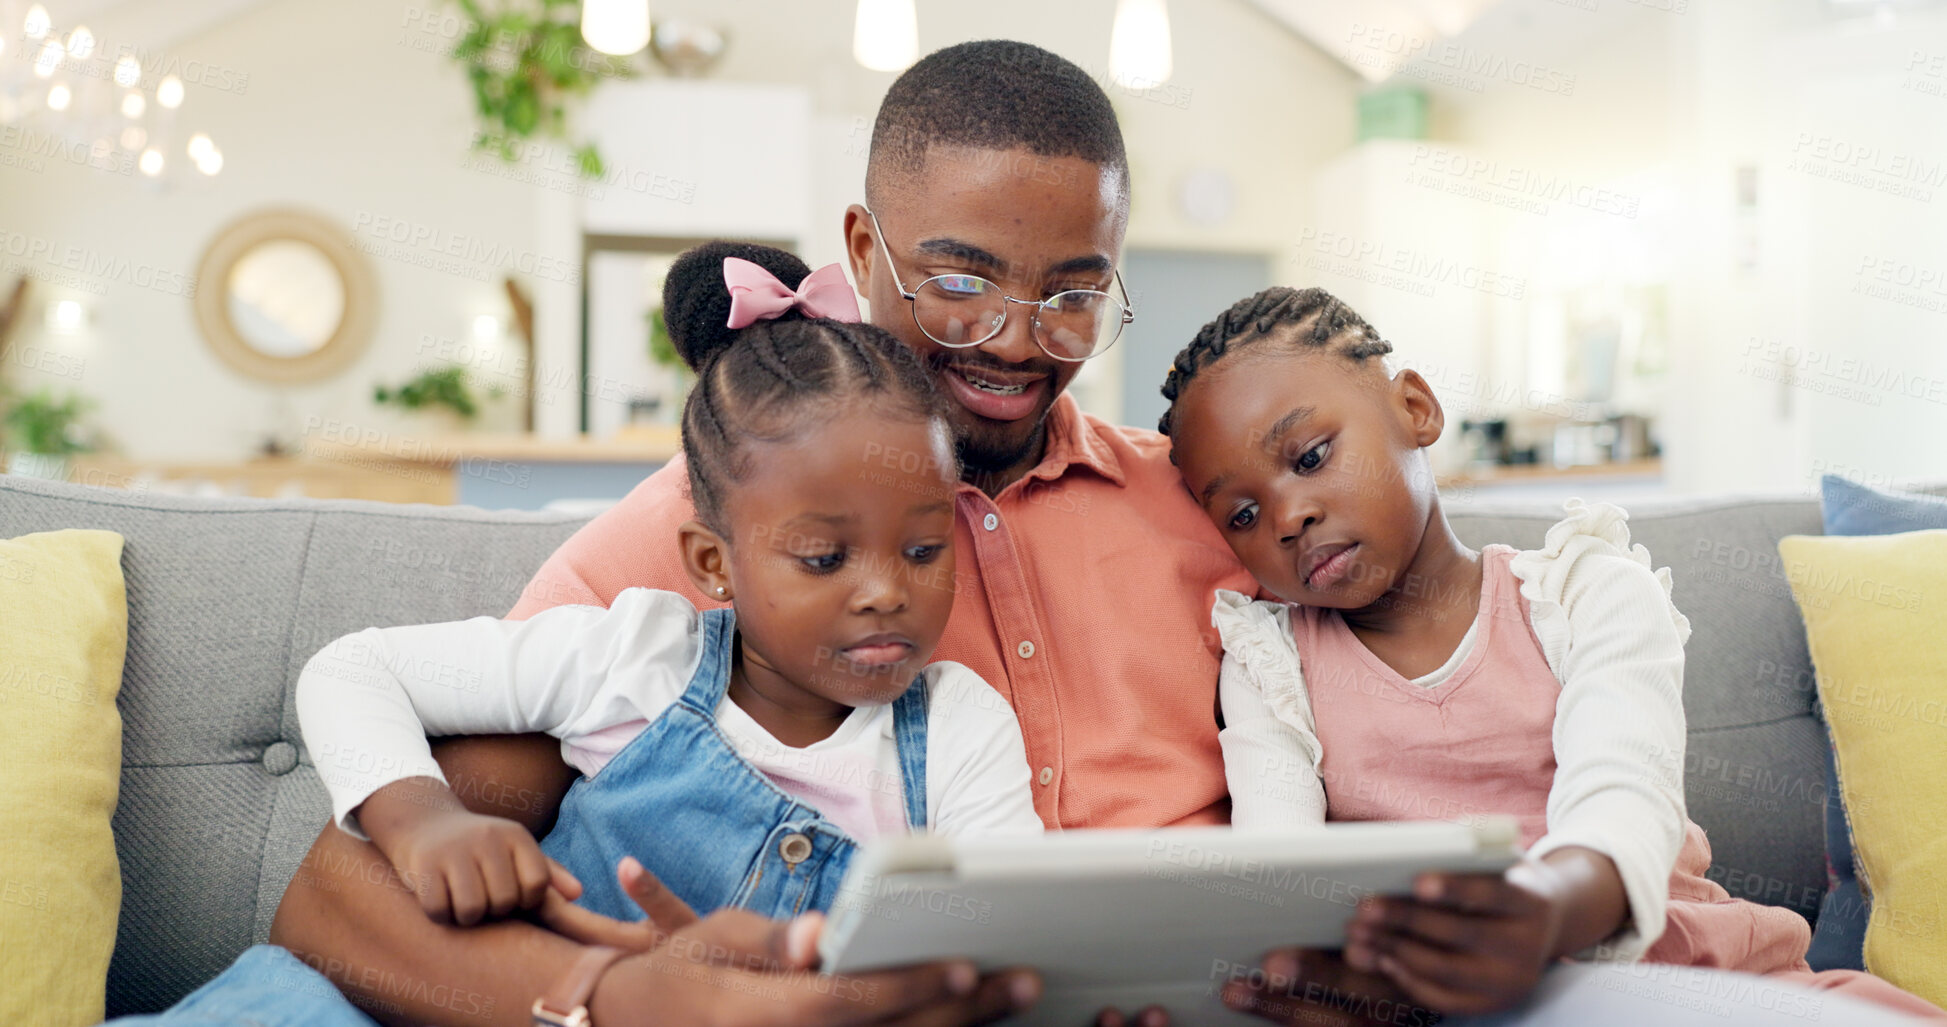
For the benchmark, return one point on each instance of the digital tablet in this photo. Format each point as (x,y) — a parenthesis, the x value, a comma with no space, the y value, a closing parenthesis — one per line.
(1131,918)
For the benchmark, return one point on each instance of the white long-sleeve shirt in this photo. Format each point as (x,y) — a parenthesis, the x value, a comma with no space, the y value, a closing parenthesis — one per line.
(596,677)
(1612,638)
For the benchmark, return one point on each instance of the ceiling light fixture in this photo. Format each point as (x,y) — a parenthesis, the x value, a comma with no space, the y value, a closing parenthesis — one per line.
(1139,44)
(885,36)
(615,27)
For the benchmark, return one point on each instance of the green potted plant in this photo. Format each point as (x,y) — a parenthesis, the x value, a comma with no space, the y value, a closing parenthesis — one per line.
(525,60)
(434,390)
(42,431)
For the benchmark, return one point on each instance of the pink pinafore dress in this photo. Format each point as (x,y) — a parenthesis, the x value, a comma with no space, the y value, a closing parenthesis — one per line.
(1482,743)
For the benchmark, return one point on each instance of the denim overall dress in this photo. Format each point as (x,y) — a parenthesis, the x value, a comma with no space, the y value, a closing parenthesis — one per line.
(705,821)
(678,798)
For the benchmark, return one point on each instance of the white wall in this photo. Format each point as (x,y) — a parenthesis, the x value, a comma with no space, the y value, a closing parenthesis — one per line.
(337,117)
(1667,105)
(351,110)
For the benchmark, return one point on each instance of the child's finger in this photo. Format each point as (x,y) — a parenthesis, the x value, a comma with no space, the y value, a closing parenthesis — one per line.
(532,871)
(429,887)
(466,892)
(1433,984)
(562,881)
(1485,894)
(502,885)
(1433,924)
(591,928)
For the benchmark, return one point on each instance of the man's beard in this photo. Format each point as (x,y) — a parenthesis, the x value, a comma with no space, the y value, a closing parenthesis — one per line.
(989,458)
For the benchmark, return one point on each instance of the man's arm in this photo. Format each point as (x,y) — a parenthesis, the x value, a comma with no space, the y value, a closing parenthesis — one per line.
(349,915)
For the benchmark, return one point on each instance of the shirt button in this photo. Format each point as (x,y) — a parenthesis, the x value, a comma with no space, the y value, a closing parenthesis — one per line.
(990,522)
(1026,649)
(1047,774)
(795,848)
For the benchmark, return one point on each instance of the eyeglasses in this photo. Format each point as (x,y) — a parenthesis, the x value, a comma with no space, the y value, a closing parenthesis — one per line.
(960,311)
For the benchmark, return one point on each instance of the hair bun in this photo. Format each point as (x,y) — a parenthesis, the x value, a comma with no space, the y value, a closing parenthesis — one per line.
(696,303)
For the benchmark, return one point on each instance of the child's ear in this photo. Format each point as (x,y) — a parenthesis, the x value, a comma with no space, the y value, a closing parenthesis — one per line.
(706,557)
(1425,420)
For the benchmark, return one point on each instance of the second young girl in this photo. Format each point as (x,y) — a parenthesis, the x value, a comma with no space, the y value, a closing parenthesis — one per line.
(741,753)
(1405,676)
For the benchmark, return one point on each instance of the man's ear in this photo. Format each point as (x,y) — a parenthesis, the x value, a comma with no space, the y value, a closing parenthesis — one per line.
(1425,419)
(860,247)
(706,558)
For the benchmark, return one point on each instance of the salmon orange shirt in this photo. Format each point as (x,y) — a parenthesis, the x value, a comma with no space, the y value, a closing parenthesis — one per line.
(1083,595)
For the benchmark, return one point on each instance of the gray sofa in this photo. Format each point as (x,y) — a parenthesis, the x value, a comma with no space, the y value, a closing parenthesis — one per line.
(228,597)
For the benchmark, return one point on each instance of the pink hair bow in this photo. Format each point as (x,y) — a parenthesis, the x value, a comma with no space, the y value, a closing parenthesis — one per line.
(757,295)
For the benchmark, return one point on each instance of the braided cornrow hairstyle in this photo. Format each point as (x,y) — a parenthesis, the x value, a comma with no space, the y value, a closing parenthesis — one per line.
(764,382)
(1317,319)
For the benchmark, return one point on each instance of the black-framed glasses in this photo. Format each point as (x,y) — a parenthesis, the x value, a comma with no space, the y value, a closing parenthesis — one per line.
(960,311)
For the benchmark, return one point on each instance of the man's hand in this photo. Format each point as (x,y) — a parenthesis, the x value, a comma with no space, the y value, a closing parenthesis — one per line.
(735,967)
(1311,988)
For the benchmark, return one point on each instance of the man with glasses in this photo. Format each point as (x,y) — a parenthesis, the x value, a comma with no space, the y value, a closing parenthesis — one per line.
(998,194)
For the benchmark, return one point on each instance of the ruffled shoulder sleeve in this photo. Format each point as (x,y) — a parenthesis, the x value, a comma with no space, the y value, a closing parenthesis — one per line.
(1261,675)
(1592,538)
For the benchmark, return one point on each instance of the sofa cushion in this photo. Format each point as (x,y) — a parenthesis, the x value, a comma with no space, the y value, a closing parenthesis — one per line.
(66,624)
(1872,611)
(1851,508)
(226,600)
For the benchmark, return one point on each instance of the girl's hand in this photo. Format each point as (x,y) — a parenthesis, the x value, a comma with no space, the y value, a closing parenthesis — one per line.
(1464,943)
(1314,988)
(463,866)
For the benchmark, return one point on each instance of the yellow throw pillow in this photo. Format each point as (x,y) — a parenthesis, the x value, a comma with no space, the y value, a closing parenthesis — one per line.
(63,630)
(1875,610)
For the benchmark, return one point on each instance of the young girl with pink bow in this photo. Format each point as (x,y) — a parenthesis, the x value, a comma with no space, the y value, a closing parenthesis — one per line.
(740,754)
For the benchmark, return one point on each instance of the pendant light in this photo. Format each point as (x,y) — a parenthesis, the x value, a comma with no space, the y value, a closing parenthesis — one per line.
(1139,44)
(615,27)
(885,37)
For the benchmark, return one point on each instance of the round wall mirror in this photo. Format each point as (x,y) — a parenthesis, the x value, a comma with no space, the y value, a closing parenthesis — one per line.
(284,296)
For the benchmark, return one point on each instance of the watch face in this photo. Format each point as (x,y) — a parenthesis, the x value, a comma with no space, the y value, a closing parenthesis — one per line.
(1207,196)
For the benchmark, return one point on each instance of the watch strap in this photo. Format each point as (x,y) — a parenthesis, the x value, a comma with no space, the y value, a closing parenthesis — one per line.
(566,1004)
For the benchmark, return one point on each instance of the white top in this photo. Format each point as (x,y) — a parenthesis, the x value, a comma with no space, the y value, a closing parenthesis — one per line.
(1613,639)
(1438,676)
(596,677)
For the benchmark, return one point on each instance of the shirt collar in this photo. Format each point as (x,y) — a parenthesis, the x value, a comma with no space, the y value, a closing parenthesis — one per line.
(1073,441)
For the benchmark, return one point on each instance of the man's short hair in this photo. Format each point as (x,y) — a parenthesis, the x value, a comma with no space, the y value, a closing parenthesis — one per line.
(994,94)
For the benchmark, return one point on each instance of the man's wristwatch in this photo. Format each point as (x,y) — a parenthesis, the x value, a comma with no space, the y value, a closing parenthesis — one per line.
(566,1004)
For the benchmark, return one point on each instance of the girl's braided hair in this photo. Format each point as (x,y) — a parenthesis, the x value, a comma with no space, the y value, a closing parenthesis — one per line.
(764,381)
(1319,319)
